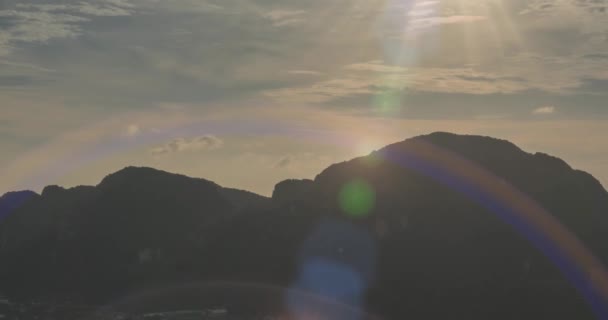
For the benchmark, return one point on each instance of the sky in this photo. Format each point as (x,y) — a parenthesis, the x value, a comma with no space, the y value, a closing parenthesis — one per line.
(250,92)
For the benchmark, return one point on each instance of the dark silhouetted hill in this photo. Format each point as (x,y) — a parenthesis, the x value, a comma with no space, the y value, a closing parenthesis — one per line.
(11,201)
(290,190)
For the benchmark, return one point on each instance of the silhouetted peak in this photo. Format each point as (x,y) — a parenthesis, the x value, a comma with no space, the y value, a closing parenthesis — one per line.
(52,190)
(291,189)
(549,160)
(132,172)
(487,151)
(18,194)
(13,200)
(144,176)
(463,142)
(499,156)
(399,165)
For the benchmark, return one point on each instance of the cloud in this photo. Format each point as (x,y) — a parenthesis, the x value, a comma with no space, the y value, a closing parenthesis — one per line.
(207,52)
(305,72)
(594,86)
(24,66)
(188,7)
(107,8)
(132,130)
(284,162)
(544,110)
(526,73)
(18,81)
(41,23)
(38,26)
(585,17)
(323,91)
(429,22)
(281,18)
(207,142)
(376,77)
(375,66)
(294,161)
(413,19)
(551,7)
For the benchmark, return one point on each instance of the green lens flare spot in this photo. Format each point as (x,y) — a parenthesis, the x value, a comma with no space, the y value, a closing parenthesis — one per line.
(387,103)
(357,198)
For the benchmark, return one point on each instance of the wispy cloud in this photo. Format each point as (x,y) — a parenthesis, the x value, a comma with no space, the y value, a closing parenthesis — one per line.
(41,23)
(24,66)
(545,7)
(280,18)
(132,130)
(14,81)
(207,142)
(293,161)
(375,66)
(363,79)
(284,161)
(108,8)
(428,22)
(305,72)
(36,26)
(544,110)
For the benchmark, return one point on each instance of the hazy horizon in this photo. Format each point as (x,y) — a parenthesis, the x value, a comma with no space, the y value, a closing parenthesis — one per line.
(264,192)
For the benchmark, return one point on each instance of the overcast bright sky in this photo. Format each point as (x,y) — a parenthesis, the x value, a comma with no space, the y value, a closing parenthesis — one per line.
(249,92)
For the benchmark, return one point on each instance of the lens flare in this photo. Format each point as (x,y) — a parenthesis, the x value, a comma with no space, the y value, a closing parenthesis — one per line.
(387,103)
(357,198)
(543,230)
(337,261)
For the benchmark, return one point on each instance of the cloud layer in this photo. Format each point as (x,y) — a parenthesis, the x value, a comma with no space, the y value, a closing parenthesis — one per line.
(544,110)
(70,65)
(207,142)
(117,53)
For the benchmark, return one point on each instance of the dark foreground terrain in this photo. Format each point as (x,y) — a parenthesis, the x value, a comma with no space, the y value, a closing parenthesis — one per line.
(433,227)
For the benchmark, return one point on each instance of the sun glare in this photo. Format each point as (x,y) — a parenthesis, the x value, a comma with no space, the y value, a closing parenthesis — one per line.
(366,147)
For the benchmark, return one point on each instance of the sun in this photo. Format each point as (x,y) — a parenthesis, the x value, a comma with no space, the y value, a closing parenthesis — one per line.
(367,146)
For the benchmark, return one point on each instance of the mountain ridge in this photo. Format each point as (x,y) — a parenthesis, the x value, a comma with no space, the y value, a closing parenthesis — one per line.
(434,137)
(414,241)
